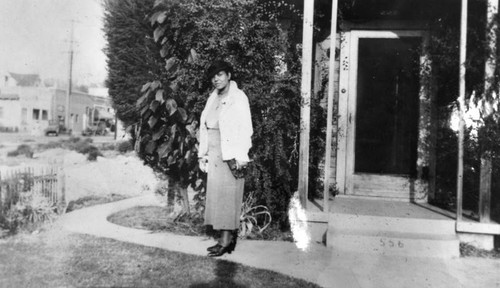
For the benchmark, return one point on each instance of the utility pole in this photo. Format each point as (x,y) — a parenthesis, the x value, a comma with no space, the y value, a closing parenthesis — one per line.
(67,122)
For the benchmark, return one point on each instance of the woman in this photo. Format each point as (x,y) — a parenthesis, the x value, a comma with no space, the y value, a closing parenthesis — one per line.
(225,137)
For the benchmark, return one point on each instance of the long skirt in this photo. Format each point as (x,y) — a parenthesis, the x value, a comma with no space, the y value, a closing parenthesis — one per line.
(224,192)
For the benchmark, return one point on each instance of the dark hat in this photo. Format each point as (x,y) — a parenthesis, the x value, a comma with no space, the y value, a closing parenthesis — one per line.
(218,66)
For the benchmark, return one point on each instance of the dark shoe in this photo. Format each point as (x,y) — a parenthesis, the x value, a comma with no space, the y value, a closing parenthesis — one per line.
(223,250)
(235,237)
(216,247)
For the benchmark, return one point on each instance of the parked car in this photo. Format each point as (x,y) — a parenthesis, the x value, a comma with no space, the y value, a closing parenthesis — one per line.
(95,130)
(52,130)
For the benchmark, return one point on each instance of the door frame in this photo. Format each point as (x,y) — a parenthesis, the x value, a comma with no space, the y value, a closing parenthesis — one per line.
(417,189)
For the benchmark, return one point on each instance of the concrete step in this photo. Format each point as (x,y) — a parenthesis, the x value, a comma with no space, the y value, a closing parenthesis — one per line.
(392,224)
(393,235)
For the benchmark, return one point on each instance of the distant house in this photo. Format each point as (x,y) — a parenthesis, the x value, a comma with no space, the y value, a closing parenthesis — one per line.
(6,80)
(26,80)
(27,106)
(10,79)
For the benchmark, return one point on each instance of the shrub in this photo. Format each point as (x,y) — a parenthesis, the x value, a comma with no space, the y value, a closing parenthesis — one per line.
(108,146)
(22,149)
(11,220)
(39,209)
(29,209)
(82,147)
(77,139)
(254,218)
(124,146)
(50,145)
(93,152)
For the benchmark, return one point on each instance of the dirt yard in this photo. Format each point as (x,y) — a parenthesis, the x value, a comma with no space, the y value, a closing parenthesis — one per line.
(115,173)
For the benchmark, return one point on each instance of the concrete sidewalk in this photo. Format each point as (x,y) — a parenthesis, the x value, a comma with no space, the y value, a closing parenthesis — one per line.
(318,264)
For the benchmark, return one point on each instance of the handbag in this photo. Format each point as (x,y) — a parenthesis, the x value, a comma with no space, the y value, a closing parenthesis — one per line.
(237,173)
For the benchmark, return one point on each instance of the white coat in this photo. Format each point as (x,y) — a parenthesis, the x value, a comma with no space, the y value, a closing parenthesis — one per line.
(235,125)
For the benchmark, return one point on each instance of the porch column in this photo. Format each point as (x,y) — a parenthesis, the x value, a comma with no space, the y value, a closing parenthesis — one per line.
(305,105)
(329,105)
(489,74)
(461,103)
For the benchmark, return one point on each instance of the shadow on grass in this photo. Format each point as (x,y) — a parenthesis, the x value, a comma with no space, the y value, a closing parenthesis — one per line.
(225,272)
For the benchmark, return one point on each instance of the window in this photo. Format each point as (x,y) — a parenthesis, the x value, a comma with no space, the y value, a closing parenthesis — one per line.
(1,112)
(45,115)
(36,114)
(24,115)
(76,118)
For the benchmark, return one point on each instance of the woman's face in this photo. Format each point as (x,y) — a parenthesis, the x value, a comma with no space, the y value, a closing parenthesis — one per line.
(221,80)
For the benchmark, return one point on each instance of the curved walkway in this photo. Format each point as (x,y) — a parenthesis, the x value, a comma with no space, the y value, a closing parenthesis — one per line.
(326,267)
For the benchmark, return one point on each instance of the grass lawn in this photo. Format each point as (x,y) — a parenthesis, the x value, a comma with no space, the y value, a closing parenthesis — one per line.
(156,218)
(58,259)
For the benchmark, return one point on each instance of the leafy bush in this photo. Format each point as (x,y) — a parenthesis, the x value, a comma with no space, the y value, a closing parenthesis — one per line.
(124,146)
(78,145)
(29,209)
(11,220)
(50,145)
(83,146)
(93,152)
(189,38)
(254,218)
(108,146)
(38,209)
(22,149)
(73,139)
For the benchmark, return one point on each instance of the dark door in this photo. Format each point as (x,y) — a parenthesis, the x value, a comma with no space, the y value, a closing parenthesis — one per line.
(387,110)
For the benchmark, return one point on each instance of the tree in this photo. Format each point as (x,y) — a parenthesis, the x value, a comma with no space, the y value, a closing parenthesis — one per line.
(133,57)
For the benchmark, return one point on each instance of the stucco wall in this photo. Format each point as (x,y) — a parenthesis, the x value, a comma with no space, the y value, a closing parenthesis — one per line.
(10,114)
(34,101)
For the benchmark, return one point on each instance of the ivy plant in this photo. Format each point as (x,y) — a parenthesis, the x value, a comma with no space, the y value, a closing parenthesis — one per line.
(190,35)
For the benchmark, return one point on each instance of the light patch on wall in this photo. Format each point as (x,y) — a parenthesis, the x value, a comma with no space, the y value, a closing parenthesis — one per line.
(298,223)
(476,111)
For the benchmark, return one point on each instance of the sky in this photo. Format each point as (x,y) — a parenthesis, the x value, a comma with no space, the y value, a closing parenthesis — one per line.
(35,39)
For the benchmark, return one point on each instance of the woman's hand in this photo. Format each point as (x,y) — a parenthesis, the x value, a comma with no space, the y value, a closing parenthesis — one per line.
(203,164)
(240,164)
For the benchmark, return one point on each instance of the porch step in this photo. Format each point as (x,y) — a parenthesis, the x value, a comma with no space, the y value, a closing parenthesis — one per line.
(393,235)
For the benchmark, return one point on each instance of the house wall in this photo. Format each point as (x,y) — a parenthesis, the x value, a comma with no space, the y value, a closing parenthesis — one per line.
(81,106)
(31,113)
(6,80)
(35,107)
(10,113)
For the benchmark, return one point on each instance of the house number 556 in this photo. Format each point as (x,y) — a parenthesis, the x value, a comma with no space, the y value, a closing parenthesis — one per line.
(391,243)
